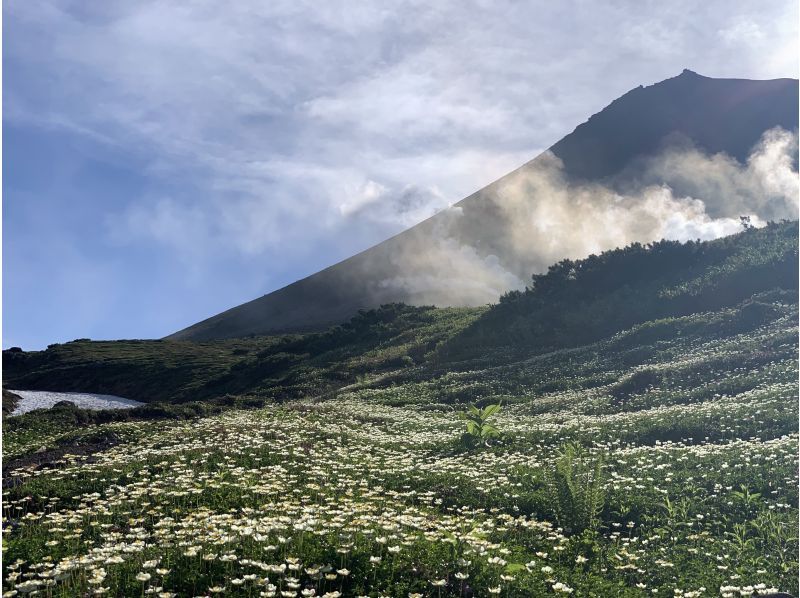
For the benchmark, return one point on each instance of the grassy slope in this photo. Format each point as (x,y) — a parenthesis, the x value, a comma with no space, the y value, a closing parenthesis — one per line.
(696,414)
(274,367)
(727,287)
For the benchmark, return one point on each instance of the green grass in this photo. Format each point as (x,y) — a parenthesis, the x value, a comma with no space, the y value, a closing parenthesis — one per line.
(332,462)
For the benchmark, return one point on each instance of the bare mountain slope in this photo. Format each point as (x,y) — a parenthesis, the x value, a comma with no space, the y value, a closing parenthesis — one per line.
(496,238)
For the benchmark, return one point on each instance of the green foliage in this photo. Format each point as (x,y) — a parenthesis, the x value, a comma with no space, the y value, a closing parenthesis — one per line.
(271,367)
(579,301)
(575,488)
(657,459)
(479,430)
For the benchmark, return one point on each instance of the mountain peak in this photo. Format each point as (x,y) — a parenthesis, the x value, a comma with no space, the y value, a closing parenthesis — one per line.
(717,115)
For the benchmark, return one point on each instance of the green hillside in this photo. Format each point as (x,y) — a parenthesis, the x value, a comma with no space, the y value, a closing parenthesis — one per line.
(574,303)
(648,440)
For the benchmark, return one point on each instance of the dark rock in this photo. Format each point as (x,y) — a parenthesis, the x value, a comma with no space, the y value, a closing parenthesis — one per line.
(10,402)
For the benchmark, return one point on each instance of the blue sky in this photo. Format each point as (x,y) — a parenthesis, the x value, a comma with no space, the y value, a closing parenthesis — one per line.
(165,161)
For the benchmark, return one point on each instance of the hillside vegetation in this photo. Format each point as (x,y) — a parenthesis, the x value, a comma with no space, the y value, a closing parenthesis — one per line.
(574,303)
(581,301)
(275,367)
(648,445)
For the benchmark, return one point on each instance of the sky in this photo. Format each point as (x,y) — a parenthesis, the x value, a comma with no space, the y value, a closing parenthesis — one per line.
(165,161)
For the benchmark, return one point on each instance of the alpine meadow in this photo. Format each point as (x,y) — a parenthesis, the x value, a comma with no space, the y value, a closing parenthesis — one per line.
(551,443)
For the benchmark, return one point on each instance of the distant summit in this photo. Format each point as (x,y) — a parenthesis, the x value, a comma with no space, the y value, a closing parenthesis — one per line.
(430,263)
(717,115)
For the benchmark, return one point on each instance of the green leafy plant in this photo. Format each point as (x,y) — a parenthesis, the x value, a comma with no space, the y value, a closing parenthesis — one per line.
(479,430)
(575,488)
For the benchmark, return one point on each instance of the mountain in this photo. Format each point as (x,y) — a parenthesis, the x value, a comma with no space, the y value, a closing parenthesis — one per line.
(471,253)
(718,115)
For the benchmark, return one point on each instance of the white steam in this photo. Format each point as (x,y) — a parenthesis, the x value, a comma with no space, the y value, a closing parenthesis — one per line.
(766,185)
(473,252)
(449,273)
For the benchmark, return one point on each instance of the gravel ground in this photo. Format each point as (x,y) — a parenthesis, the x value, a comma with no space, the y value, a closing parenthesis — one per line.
(42,399)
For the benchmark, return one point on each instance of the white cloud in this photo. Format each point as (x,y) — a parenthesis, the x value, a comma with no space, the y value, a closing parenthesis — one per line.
(376,94)
(366,194)
(742,32)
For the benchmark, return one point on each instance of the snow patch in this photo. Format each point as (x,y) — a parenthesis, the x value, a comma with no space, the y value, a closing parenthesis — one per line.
(44,399)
